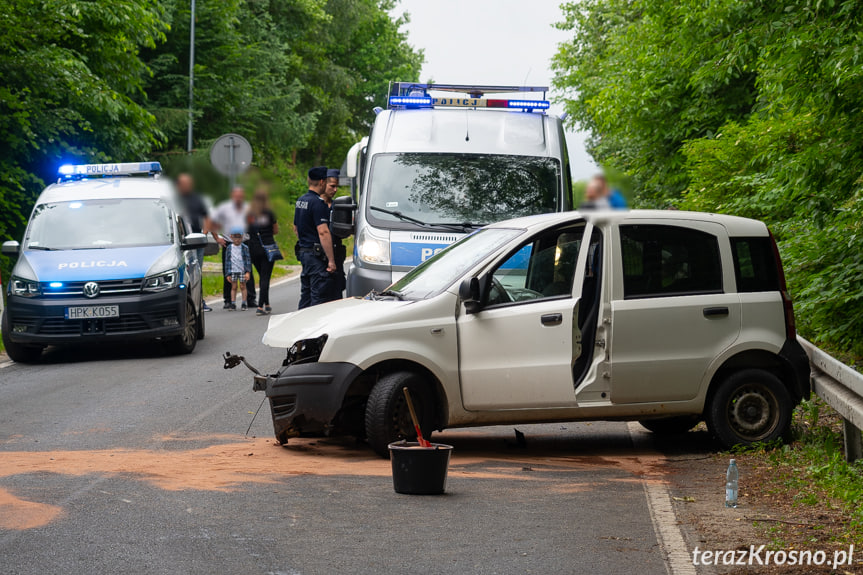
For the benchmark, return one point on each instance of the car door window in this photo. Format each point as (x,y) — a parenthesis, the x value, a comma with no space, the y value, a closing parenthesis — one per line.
(541,268)
(664,261)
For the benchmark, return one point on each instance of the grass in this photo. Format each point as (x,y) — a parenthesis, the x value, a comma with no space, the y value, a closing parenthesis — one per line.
(810,475)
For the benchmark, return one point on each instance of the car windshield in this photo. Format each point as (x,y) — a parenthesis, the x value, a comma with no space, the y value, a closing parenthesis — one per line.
(461,188)
(438,273)
(100,223)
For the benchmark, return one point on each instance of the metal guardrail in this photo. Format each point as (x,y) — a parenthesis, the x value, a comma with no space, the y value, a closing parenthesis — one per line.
(841,387)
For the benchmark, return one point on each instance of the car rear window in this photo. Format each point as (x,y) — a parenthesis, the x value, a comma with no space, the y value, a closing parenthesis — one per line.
(755,265)
(665,261)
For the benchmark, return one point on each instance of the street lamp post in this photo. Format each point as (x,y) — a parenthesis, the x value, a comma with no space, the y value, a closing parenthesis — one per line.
(191,78)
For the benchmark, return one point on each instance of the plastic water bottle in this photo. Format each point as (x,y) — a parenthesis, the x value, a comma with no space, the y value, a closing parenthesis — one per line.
(731,477)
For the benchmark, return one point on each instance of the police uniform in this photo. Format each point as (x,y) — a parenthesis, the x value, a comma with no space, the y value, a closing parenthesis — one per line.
(339,252)
(311,211)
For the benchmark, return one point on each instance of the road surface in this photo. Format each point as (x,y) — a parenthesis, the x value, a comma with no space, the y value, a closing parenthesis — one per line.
(119,459)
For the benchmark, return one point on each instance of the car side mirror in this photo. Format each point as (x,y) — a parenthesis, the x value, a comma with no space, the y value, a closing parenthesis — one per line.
(471,295)
(342,219)
(212,246)
(11,248)
(194,242)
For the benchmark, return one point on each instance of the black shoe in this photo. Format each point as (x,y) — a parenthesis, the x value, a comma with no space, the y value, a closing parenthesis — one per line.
(206,307)
(259,311)
(268,309)
(244,307)
(232,306)
(227,305)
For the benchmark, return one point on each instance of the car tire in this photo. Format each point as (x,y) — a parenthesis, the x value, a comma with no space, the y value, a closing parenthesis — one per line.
(670,425)
(749,406)
(387,416)
(185,343)
(18,352)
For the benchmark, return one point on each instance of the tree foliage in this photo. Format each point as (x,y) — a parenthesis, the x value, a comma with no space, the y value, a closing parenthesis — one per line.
(750,108)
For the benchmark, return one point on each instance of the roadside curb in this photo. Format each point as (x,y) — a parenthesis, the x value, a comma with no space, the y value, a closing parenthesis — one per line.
(665,525)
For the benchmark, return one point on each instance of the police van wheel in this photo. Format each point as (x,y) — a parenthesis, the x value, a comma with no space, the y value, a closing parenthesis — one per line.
(749,406)
(387,416)
(16,351)
(185,342)
(671,425)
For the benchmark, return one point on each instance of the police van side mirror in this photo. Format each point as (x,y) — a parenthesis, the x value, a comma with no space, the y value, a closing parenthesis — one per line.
(212,246)
(342,218)
(470,295)
(11,248)
(194,242)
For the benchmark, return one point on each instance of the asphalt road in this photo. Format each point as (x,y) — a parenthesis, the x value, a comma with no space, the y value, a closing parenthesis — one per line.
(119,459)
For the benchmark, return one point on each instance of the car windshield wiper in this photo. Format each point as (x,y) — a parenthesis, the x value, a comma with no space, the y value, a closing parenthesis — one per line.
(463,225)
(42,248)
(405,218)
(374,295)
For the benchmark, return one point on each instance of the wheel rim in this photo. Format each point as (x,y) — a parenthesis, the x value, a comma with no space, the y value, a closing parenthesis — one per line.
(753,412)
(190,331)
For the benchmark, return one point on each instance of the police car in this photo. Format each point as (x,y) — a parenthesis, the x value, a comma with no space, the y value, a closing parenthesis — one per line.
(106,256)
(666,318)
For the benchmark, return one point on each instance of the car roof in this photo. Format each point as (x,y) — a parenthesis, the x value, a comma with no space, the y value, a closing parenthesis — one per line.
(114,188)
(735,225)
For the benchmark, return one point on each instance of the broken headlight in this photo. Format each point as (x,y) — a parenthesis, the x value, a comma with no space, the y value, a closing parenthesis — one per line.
(306,350)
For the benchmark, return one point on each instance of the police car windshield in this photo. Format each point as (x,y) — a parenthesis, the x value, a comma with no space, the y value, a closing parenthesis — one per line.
(100,223)
(438,273)
(457,188)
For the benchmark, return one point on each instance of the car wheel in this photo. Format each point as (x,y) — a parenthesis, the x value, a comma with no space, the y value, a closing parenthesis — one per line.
(671,425)
(387,416)
(185,342)
(16,351)
(750,406)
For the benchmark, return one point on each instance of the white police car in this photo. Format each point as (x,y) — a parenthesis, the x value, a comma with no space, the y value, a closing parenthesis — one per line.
(666,318)
(106,256)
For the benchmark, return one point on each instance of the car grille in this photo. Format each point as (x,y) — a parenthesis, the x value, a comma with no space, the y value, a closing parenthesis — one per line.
(124,324)
(283,406)
(108,287)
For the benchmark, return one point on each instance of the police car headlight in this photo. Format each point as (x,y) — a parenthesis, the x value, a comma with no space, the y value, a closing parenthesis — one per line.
(162,282)
(24,288)
(306,350)
(372,249)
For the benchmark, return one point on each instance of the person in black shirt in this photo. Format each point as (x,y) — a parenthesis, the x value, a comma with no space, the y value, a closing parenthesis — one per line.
(263,228)
(195,212)
(339,251)
(314,246)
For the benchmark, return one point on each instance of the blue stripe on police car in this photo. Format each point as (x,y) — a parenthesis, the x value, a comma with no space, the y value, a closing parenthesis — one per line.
(413,254)
(98,264)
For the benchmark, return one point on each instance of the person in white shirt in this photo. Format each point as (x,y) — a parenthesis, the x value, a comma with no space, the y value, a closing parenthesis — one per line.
(228,215)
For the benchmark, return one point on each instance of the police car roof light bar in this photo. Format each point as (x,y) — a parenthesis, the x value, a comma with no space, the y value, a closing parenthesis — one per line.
(77,171)
(412,95)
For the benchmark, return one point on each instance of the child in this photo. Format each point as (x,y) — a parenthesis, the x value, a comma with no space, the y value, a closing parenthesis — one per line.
(238,266)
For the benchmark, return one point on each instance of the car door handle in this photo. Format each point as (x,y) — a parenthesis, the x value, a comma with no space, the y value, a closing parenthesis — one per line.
(552,319)
(715,311)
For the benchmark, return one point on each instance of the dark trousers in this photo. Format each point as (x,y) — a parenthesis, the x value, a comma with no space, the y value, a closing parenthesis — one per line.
(226,285)
(315,281)
(265,271)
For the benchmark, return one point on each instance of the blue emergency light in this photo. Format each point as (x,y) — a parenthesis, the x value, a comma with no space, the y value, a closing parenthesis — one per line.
(70,171)
(412,101)
(413,95)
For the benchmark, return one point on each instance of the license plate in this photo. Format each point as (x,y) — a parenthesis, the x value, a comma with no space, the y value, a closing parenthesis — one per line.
(93,312)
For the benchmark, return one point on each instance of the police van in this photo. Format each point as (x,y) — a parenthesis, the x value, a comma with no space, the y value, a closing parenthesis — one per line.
(106,256)
(440,162)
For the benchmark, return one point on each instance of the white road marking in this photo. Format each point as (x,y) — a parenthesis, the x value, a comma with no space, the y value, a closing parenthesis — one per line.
(678,561)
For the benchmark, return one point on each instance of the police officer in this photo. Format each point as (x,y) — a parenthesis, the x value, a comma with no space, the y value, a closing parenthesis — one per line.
(339,250)
(314,243)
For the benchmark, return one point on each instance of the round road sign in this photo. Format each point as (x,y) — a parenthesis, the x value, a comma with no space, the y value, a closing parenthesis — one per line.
(231,155)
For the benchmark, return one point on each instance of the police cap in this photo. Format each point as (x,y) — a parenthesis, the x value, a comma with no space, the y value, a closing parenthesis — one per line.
(318,173)
(333,173)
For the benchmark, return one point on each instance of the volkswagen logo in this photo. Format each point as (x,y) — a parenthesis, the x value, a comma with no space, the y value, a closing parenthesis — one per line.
(91,289)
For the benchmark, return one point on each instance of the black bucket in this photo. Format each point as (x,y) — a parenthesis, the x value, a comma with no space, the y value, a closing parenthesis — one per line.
(419,470)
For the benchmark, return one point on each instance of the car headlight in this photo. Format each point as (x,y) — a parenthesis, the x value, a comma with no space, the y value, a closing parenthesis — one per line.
(306,350)
(372,249)
(162,282)
(24,288)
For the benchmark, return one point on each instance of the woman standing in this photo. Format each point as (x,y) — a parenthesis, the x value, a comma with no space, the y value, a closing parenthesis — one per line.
(262,231)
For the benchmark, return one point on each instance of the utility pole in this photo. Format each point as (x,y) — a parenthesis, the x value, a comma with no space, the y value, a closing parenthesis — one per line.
(191,78)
